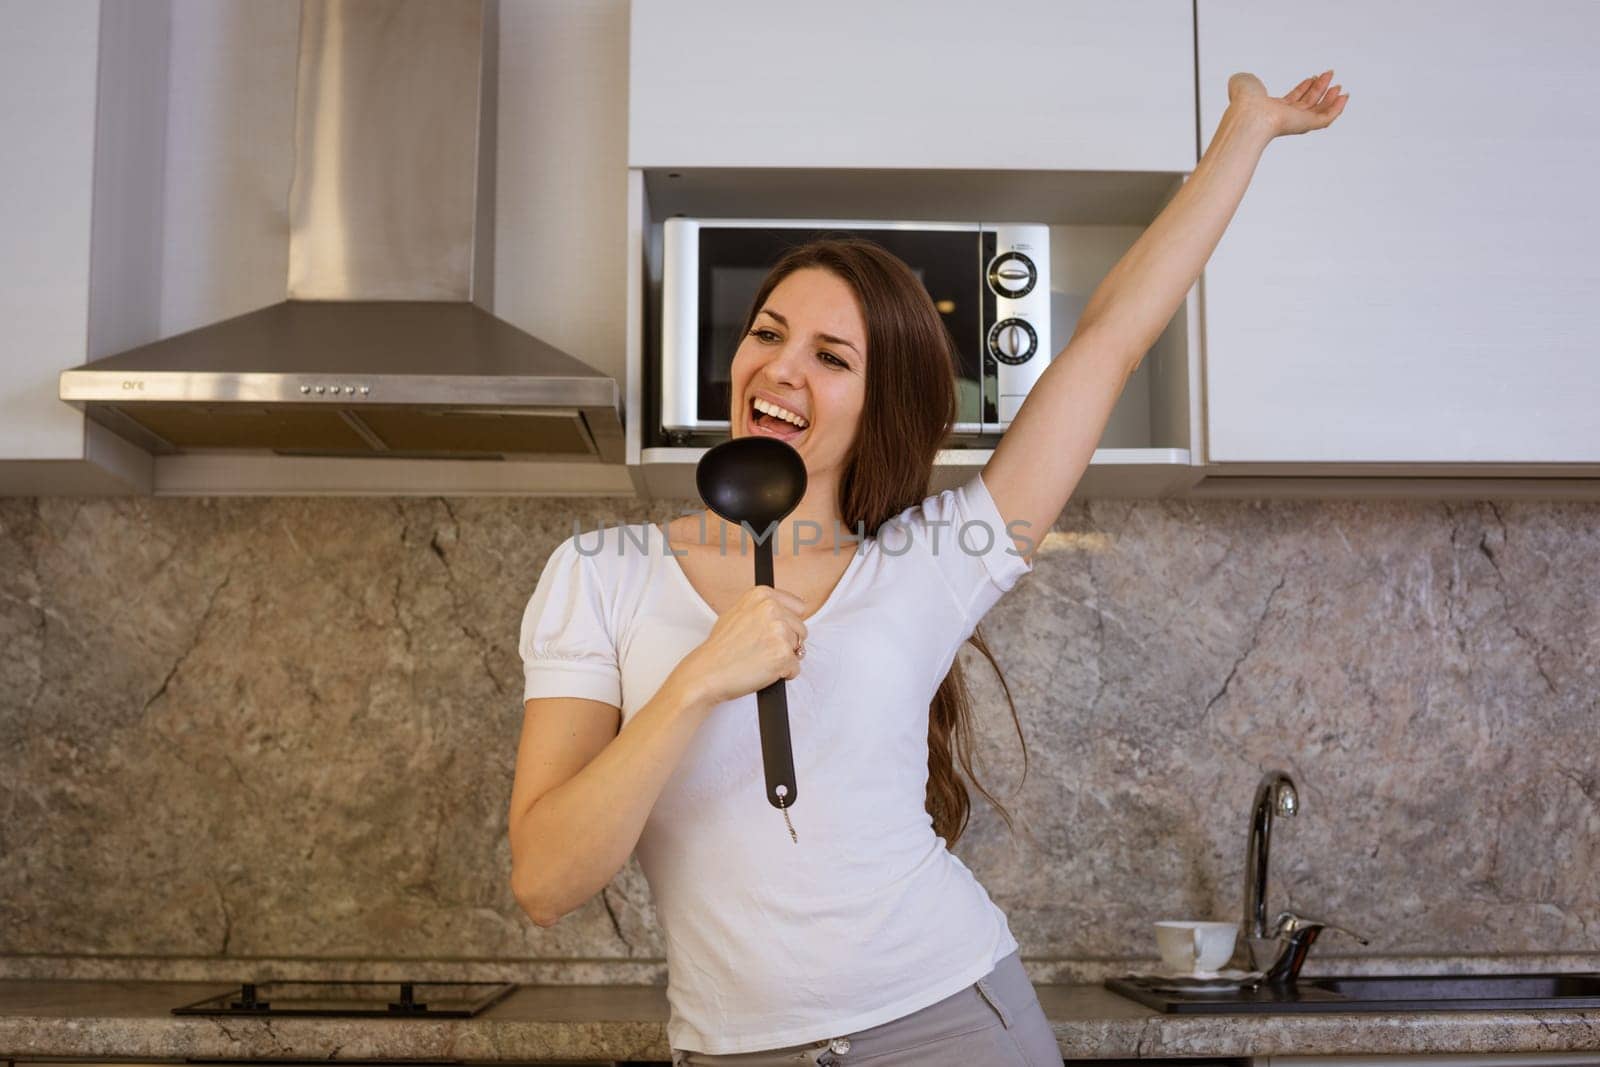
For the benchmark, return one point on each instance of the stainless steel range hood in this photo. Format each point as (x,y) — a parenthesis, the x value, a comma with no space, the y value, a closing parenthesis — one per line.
(383,346)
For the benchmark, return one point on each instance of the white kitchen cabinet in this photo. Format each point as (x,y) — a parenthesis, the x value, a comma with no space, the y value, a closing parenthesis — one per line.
(48,57)
(1412,290)
(50,86)
(941,84)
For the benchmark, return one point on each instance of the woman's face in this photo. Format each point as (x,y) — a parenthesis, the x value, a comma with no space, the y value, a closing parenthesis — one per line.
(806,351)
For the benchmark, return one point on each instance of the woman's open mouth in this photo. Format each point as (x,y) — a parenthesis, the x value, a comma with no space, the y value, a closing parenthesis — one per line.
(772,420)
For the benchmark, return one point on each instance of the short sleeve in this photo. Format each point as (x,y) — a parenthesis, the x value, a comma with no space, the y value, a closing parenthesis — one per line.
(960,530)
(566,643)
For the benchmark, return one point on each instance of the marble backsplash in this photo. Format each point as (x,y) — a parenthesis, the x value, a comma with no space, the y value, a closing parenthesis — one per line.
(286,727)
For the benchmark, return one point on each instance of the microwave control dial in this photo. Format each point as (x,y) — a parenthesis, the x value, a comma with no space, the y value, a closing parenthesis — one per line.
(1012,274)
(1012,341)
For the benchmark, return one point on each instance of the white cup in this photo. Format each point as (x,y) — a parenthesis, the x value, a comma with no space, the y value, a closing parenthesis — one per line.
(1197,948)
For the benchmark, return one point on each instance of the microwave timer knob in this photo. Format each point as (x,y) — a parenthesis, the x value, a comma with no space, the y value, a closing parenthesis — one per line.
(1012,274)
(1012,341)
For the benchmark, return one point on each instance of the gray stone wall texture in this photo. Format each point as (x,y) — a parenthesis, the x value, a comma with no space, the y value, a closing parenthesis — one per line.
(286,727)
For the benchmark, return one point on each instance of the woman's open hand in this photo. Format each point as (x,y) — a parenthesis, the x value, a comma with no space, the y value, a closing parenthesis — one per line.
(1311,105)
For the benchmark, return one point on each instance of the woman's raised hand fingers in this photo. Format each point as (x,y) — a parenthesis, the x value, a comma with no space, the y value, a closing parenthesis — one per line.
(1308,92)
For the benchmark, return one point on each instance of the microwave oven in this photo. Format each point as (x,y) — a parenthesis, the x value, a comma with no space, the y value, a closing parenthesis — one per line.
(990,283)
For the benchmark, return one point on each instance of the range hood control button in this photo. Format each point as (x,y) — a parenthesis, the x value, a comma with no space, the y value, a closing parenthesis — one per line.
(305,388)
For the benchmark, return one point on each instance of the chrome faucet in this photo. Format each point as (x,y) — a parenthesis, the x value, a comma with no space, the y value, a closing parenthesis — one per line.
(1279,951)
(1296,934)
(1275,795)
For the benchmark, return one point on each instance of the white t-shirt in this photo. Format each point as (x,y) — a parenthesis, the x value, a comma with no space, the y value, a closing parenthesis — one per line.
(869,917)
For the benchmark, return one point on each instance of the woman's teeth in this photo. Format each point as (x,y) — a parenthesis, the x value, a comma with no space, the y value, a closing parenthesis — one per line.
(768,408)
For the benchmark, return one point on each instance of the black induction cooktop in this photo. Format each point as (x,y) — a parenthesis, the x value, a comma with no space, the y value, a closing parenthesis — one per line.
(437,1000)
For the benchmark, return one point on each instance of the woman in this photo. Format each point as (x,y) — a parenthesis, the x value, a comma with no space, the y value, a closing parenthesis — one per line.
(848,932)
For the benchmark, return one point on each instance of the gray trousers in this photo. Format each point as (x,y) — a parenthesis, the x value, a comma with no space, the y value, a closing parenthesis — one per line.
(996,1021)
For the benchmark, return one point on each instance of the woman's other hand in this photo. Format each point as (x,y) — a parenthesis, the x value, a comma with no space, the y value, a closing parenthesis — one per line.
(750,646)
(1311,105)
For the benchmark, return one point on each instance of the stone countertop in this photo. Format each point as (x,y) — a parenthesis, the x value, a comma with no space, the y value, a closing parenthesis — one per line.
(132,1019)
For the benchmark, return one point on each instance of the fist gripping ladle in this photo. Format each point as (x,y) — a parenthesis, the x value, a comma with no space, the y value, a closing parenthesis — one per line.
(758,481)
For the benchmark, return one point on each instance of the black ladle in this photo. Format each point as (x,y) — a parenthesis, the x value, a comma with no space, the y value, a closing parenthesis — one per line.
(757,481)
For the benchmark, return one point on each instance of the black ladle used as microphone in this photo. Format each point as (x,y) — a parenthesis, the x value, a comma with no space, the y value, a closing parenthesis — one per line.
(757,481)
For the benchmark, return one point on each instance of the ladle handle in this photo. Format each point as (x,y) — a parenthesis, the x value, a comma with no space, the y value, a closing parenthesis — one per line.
(777,756)
(772,711)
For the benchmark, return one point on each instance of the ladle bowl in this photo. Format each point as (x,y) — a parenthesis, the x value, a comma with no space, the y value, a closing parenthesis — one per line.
(751,479)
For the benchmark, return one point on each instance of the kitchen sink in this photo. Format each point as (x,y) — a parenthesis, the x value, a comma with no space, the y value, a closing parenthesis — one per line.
(1429,992)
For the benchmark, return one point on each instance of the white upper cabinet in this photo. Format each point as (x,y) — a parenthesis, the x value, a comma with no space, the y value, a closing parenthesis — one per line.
(75,119)
(47,68)
(941,84)
(1416,284)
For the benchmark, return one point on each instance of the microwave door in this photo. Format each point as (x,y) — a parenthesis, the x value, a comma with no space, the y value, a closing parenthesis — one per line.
(948,262)
(720,264)
(949,266)
(988,374)
(710,275)
(726,296)
(731,264)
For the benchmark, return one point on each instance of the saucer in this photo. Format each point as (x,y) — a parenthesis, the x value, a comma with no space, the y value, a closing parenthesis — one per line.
(1198,981)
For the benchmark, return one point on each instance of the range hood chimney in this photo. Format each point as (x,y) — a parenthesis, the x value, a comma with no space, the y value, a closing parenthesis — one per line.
(383,345)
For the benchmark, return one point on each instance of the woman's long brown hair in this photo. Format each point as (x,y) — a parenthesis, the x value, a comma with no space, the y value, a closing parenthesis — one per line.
(909,411)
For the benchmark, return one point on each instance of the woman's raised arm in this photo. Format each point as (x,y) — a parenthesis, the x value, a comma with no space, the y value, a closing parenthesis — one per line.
(1049,443)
